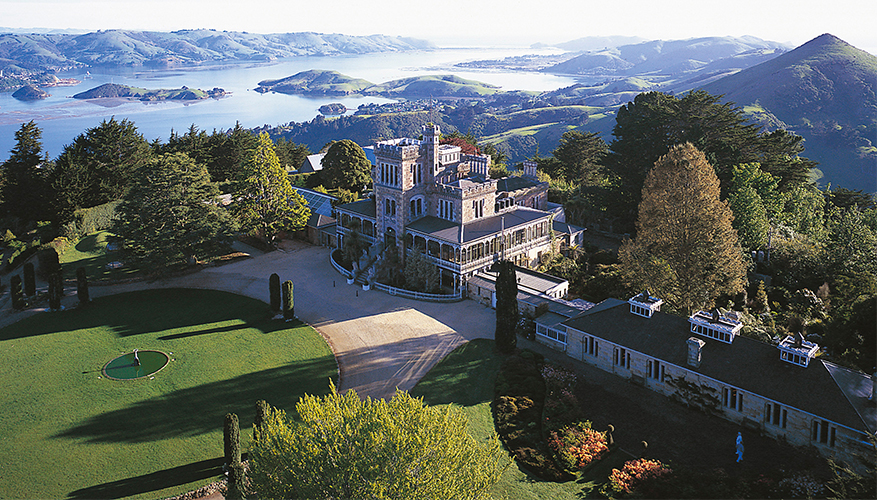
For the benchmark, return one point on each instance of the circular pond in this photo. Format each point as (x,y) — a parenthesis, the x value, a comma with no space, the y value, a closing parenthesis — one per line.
(126,367)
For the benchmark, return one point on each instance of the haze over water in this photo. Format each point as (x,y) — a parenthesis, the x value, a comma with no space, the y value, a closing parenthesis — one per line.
(62,118)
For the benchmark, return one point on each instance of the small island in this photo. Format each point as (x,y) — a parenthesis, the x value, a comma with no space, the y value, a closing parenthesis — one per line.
(336,108)
(184,93)
(30,93)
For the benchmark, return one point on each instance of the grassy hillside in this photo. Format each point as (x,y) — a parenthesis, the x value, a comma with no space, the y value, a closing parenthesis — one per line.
(433,86)
(116,90)
(824,90)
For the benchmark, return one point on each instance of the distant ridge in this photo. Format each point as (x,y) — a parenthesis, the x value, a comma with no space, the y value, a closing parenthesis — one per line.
(824,90)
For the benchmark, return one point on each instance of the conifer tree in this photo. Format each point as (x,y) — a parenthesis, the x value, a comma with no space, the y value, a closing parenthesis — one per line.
(274,292)
(17,295)
(23,186)
(56,290)
(288,301)
(82,286)
(30,288)
(685,250)
(506,306)
(232,439)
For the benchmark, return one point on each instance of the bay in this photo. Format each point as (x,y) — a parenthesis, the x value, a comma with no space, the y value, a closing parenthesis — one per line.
(62,118)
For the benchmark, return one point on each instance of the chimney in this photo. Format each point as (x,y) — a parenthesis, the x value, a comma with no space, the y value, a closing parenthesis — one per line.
(530,169)
(695,345)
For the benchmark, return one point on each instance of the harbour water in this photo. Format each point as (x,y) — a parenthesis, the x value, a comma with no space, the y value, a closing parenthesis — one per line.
(62,118)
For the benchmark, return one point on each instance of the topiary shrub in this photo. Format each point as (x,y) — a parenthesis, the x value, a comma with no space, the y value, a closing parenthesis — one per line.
(49,262)
(232,440)
(288,301)
(17,295)
(261,414)
(56,290)
(30,287)
(274,292)
(82,286)
(236,482)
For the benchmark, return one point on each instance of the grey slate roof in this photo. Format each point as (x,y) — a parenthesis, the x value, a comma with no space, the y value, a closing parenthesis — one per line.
(364,207)
(747,363)
(450,231)
(514,183)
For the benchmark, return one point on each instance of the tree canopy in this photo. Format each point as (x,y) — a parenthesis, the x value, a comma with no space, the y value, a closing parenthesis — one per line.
(171,214)
(345,166)
(507,313)
(344,447)
(23,179)
(264,200)
(685,250)
(579,158)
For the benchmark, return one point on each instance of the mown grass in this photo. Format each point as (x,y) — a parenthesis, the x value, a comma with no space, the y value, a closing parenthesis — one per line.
(67,431)
(466,378)
(91,253)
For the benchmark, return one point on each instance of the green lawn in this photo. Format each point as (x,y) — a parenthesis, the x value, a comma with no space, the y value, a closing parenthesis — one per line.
(69,432)
(465,378)
(91,253)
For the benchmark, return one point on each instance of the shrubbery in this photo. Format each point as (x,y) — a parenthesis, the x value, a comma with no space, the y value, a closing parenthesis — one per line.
(91,220)
(578,445)
(634,473)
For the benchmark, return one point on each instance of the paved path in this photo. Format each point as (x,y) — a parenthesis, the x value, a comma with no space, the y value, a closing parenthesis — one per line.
(381,342)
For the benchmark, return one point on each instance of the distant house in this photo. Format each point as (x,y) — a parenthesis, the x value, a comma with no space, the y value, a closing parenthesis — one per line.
(313,163)
(784,391)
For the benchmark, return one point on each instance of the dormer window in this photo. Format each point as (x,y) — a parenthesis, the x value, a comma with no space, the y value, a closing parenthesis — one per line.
(796,350)
(717,326)
(644,304)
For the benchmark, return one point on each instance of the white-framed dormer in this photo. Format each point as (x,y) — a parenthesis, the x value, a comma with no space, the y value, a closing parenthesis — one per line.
(797,351)
(644,304)
(717,326)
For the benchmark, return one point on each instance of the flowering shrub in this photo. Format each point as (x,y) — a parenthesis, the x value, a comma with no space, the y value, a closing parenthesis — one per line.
(635,471)
(561,405)
(578,445)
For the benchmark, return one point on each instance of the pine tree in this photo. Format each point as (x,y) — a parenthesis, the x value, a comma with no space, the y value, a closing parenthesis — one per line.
(288,301)
(23,188)
(232,439)
(30,288)
(506,306)
(274,292)
(82,286)
(685,250)
(266,202)
(261,414)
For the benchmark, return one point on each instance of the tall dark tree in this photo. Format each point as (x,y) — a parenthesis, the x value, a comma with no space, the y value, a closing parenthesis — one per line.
(171,215)
(648,127)
(261,415)
(685,250)
(82,286)
(229,151)
(17,294)
(346,166)
(274,291)
(290,154)
(30,288)
(24,176)
(288,300)
(232,439)
(98,166)
(506,306)
(56,290)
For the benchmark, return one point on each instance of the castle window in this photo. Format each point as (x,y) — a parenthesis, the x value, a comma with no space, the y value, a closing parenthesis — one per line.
(622,357)
(732,398)
(824,433)
(776,415)
(656,370)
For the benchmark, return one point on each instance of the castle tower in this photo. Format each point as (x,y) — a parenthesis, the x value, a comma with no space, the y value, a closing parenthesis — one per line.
(431,135)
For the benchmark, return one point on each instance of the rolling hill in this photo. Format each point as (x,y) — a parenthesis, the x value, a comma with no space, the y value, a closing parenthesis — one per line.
(316,82)
(825,91)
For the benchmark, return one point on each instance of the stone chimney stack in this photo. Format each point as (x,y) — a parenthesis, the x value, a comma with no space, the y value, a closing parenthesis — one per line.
(530,169)
(695,346)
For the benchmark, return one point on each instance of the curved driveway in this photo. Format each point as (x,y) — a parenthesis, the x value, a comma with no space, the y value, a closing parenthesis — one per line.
(381,342)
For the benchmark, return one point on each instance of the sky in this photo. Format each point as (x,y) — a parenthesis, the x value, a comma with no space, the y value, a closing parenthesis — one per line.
(468,22)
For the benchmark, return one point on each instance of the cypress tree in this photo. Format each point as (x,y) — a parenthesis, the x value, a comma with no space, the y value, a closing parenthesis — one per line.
(261,415)
(506,307)
(232,440)
(274,292)
(15,290)
(82,286)
(56,290)
(236,479)
(30,287)
(288,301)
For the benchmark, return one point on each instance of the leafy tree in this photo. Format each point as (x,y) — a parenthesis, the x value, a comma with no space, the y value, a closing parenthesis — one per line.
(264,199)
(290,154)
(750,215)
(421,275)
(82,286)
(232,439)
(579,156)
(467,143)
(24,186)
(228,152)
(274,291)
(288,301)
(171,215)
(341,446)
(346,166)
(497,156)
(507,313)
(686,250)
(804,210)
(99,165)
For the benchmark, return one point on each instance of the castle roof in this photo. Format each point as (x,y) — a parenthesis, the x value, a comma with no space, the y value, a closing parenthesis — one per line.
(822,388)
(449,231)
